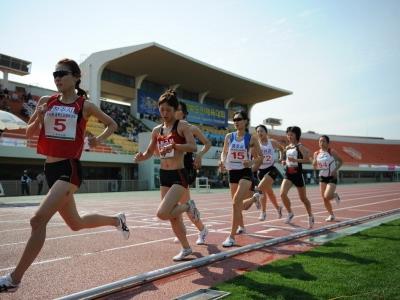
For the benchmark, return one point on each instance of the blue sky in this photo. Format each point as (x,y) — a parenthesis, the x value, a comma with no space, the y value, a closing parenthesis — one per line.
(341,59)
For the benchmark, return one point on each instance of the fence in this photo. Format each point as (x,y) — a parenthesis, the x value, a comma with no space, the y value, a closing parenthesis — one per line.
(13,187)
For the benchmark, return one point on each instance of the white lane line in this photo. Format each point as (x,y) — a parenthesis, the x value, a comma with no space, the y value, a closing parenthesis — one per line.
(167,227)
(61,237)
(261,236)
(366,210)
(29,228)
(322,212)
(209,220)
(267,230)
(40,262)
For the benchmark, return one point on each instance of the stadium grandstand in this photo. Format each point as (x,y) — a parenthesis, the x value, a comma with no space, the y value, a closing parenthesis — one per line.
(126,83)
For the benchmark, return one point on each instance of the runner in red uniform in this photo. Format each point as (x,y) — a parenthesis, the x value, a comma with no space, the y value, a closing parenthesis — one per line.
(61,122)
(170,140)
(192,164)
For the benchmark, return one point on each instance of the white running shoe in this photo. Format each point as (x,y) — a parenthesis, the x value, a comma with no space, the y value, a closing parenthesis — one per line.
(240,230)
(331,218)
(263,216)
(201,239)
(256,197)
(193,210)
(337,199)
(311,222)
(279,210)
(289,218)
(229,242)
(122,227)
(7,285)
(181,255)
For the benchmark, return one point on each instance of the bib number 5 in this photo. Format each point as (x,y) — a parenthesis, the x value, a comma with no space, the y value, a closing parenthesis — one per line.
(59,125)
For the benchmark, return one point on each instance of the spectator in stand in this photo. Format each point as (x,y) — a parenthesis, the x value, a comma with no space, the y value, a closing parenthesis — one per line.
(119,181)
(40,180)
(25,183)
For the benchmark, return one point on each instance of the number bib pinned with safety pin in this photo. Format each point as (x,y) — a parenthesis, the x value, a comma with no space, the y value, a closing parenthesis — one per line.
(162,144)
(60,123)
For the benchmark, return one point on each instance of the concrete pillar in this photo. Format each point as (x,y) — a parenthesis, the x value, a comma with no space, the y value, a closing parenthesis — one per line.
(138,83)
(202,96)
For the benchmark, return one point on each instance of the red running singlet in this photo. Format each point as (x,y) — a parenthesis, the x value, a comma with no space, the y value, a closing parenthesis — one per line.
(62,134)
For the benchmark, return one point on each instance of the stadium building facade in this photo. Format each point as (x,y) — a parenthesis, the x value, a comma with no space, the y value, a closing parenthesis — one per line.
(132,78)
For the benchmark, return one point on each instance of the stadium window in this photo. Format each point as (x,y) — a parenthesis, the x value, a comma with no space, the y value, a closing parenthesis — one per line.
(189,95)
(118,78)
(149,86)
(367,174)
(15,64)
(214,102)
(5,60)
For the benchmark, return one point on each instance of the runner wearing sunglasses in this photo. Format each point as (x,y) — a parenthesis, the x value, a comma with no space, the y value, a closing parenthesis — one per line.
(60,121)
(240,152)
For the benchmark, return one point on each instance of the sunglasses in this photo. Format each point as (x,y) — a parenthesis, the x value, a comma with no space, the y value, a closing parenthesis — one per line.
(237,119)
(61,73)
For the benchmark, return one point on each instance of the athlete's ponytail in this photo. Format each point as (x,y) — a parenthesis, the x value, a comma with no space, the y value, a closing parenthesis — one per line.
(80,91)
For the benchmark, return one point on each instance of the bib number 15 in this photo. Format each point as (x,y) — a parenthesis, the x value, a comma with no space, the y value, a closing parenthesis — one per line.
(238,155)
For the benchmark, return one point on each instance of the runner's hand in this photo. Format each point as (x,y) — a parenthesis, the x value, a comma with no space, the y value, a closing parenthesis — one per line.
(197,163)
(93,141)
(138,157)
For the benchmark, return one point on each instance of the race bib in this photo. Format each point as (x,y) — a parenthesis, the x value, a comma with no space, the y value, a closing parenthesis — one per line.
(60,123)
(161,145)
(268,159)
(292,163)
(322,165)
(322,162)
(238,156)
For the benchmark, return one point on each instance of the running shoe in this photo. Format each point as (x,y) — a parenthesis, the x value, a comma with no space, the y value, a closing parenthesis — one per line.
(229,242)
(311,222)
(201,239)
(289,218)
(256,198)
(7,285)
(122,227)
(337,198)
(331,218)
(263,216)
(279,210)
(193,210)
(181,255)
(240,230)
